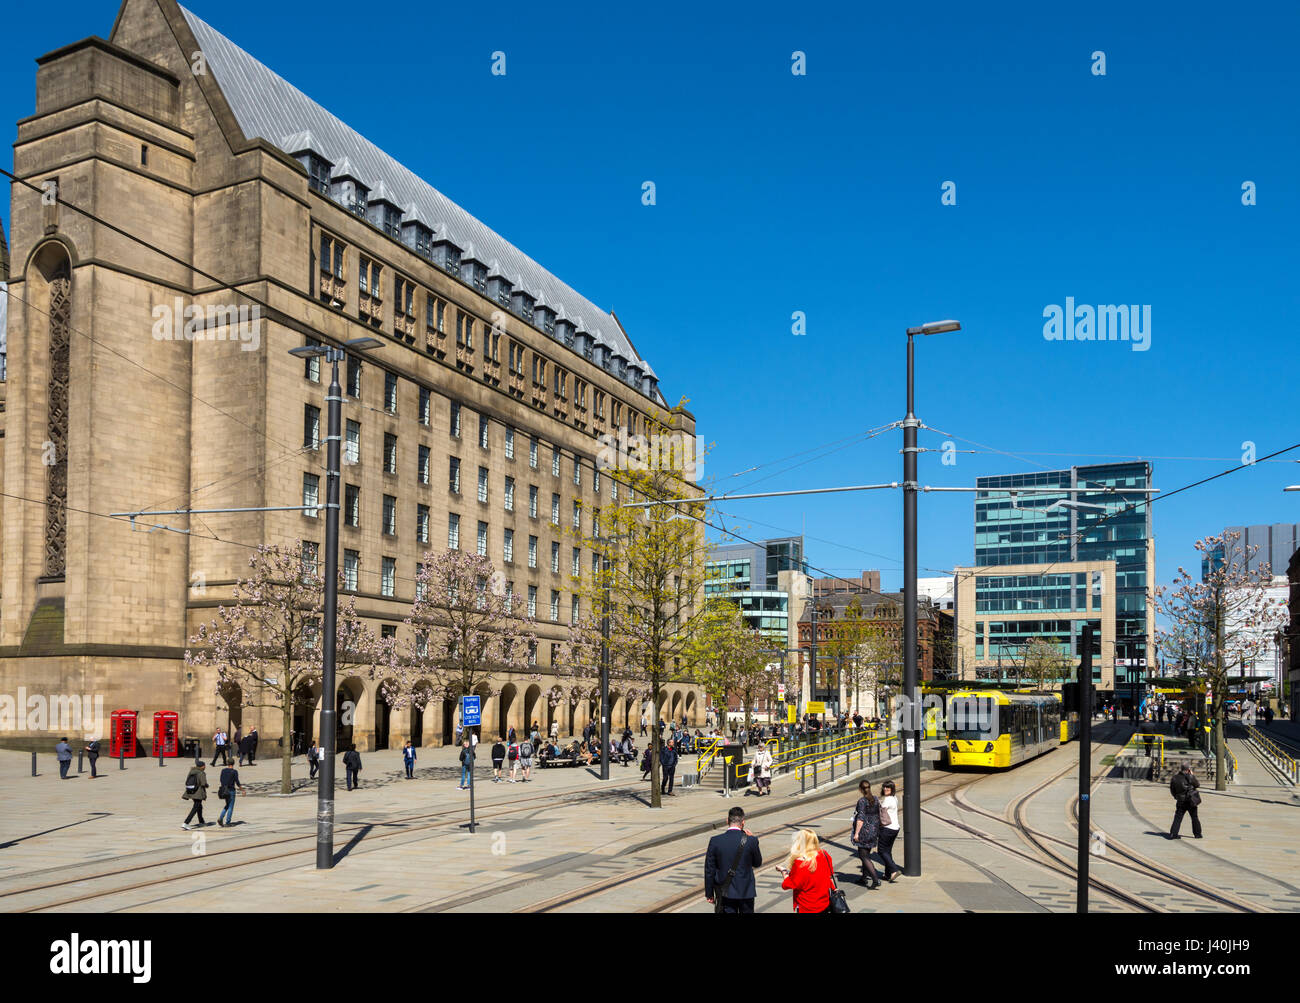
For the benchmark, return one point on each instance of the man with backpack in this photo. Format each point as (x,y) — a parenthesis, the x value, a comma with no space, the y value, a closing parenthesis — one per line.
(526,758)
(196,789)
(1183,787)
(513,753)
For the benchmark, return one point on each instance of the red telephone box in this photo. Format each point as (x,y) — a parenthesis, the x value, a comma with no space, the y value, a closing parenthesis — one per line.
(124,725)
(166,727)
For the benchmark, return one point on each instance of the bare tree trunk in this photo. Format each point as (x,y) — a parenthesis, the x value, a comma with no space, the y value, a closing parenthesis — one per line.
(656,798)
(286,724)
(1216,707)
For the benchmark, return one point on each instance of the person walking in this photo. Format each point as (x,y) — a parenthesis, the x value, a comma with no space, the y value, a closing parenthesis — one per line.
(644,722)
(512,753)
(466,757)
(219,747)
(64,753)
(866,832)
(668,766)
(729,864)
(252,746)
(408,760)
(313,759)
(555,732)
(763,770)
(196,789)
(511,737)
(809,873)
(526,759)
(228,783)
(645,761)
(889,829)
(1183,787)
(92,750)
(352,765)
(498,758)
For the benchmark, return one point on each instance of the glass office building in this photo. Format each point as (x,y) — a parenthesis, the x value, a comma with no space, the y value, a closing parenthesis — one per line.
(748,574)
(1109,520)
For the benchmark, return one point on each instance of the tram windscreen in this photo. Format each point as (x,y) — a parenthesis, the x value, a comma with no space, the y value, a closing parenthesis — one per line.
(972,718)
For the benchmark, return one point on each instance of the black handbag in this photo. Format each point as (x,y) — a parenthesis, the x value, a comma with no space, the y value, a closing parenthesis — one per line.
(1194,797)
(726,885)
(839,903)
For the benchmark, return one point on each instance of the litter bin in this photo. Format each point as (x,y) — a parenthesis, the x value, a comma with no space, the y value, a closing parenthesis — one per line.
(190,748)
(737,774)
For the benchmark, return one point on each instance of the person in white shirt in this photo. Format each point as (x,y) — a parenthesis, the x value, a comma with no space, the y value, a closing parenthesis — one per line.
(889,830)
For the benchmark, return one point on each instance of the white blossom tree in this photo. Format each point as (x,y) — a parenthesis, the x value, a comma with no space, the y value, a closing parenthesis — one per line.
(1223,621)
(267,641)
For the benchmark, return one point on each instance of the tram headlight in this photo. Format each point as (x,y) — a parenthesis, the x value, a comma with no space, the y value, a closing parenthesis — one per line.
(988,746)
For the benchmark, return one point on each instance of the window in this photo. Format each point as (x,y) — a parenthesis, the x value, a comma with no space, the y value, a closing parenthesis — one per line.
(310,495)
(532,452)
(532,501)
(555,606)
(419,582)
(482,431)
(390,515)
(510,494)
(555,510)
(555,558)
(422,523)
(404,294)
(455,420)
(532,601)
(390,453)
(613,489)
(453,531)
(354,377)
(422,470)
(464,330)
(331,255)
(595,480)
(421,638)
(426,406)
(482,484)
(311,427)
(532,652)
(390,393)
(573,609)
(532,551)
(515,358)
(368,278)
(482,539)
(310,562)
(577,515)
(599,400)
(388,630)
(508,546)
(555,462)
(312,363)
(510,597)
(453,475)
(577,473)
(351,566)
(510,443)
(352,443)
(352,505)
(434,309)
(387,575)
(577,562)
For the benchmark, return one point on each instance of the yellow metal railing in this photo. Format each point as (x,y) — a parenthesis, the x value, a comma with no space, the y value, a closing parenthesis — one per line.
(706,755)
(1141,739)
(1284,762)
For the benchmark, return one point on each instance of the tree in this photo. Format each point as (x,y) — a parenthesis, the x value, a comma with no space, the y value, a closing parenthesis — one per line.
(1224,620)
(462,631)
(728,656)
(268,642)
(1044,663)
(650,571)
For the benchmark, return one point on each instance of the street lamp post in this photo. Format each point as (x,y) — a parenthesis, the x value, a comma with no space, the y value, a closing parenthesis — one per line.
(328,712)
(911,697)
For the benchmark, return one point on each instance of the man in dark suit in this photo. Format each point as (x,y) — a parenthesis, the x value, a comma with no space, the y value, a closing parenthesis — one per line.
(1183,786)
(739,847)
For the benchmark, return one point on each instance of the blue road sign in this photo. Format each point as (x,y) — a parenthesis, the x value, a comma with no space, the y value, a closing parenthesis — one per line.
(471,712)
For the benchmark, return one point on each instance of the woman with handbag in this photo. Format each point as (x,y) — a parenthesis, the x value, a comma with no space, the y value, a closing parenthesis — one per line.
(866,833)
(809,873)
(889,828)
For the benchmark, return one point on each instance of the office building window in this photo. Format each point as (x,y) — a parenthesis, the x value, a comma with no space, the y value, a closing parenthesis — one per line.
(351,568)
(388,576)
(577,562)
(312,370)
(390,393)
(510,494)
(426,406)
(310,495)
(555,606)
(352,442)
(419,581)
(532,601)
(310,558)
(390,453)
(422,523)
(532,501)
(555,462)
(510,443)
(532,551)
(577,515)
(532,452)
(555,510)
(510,597)
(482,484)
(577,472)
(453,531)
(311,427)
(574,605)
(555,558)
(390,515)
(453,475)
(508,546)
(482,431)
(482,539)
(354,377)
(422,471)
(595,480)
(352,505)
(455,420)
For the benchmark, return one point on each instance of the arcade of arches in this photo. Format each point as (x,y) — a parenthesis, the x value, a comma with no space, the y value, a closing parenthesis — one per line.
(370,722)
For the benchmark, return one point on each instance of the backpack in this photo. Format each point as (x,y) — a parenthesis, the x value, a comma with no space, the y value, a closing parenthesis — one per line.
(191,784)
(526,750)
(514,752)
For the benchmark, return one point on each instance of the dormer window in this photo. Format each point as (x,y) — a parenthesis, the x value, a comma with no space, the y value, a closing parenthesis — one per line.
(392,221)
(318,172)
(499,289)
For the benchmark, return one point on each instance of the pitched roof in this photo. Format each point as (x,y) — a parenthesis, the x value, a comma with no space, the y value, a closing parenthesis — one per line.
(268,106)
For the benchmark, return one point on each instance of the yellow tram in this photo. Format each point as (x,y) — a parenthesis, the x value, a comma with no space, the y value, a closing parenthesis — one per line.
(996,729)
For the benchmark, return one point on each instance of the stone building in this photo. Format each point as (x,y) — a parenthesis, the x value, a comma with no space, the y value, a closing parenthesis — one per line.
(157,375)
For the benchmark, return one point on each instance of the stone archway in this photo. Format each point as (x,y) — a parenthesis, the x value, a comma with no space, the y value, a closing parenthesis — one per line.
(505,702)
(531,697)
(675,708)
(692,708)
(350,726)
(421,703)
(306,699)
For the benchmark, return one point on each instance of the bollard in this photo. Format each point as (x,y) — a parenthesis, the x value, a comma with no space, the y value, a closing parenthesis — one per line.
(160,752)
(803,775)
(33,764)
(79,757)
(121,759)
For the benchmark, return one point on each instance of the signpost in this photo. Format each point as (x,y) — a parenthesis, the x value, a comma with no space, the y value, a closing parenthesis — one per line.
(471,716)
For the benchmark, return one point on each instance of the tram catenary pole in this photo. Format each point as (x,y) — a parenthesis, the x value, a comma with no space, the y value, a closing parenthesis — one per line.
(1085,767)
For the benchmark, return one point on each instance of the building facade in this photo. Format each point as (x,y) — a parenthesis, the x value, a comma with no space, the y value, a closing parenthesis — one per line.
(1100,514)
(135,381)
(1256,546)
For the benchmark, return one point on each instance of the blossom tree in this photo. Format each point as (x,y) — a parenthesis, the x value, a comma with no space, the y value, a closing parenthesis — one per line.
(267,641)
(1222,621)
(463,630)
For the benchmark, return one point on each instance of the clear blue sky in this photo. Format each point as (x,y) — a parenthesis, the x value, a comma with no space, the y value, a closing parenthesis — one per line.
(821,194)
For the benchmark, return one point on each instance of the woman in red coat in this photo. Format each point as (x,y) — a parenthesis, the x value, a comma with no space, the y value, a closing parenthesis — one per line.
(809,873)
